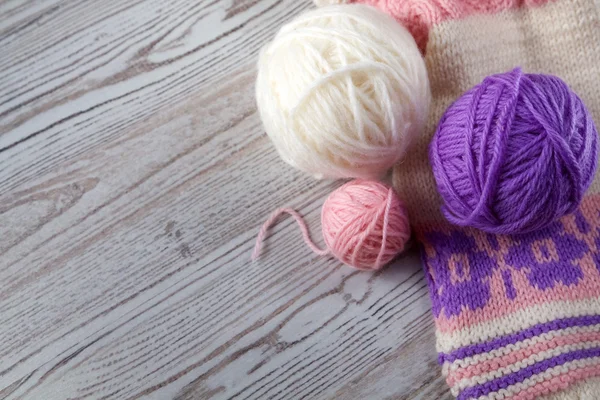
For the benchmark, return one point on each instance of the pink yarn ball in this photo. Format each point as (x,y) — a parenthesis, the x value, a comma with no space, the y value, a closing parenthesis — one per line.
(365,224)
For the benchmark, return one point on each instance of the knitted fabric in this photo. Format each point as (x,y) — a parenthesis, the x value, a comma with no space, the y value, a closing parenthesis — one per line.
(419,16)
(516,316)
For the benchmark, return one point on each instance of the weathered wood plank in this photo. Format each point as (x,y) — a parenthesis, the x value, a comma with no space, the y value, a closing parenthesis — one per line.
(134,174)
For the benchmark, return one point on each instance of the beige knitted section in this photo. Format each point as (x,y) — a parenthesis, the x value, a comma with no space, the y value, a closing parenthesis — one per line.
(560,38)
(588,390)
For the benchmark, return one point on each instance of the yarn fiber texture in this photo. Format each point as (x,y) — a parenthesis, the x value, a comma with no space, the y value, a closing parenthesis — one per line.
(514,153)
(364,225)
(342,91)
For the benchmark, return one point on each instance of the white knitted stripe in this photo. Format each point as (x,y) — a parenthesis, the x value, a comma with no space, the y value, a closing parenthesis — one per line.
(515,322)
(541,377)
(583,390)
(501,351)
(534,358)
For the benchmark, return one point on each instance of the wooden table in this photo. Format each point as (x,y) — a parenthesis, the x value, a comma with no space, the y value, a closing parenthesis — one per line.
(134,175)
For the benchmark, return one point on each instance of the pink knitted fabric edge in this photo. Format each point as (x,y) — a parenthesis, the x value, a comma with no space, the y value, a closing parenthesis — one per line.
(418,16)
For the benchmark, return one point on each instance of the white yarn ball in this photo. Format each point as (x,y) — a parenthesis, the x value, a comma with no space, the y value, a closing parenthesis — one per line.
(341,91)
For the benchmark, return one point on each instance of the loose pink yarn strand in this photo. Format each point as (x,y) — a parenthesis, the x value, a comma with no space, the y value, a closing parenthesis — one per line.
(386,214)
(305,234)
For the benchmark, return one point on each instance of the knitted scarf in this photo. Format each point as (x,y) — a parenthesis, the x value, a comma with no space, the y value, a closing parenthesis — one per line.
(516,316)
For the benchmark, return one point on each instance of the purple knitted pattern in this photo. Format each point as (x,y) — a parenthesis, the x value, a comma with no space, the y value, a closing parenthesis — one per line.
(514,153)
(529,300)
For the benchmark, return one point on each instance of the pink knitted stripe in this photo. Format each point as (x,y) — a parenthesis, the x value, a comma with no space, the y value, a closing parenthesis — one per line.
(419,16)
(518,355)
(557,383)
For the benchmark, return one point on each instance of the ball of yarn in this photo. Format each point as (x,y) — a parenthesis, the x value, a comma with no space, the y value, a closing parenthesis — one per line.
(341,91)
(514,153)
(365,224)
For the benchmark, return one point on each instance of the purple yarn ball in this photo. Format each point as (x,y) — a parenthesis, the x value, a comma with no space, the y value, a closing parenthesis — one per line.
(514,153)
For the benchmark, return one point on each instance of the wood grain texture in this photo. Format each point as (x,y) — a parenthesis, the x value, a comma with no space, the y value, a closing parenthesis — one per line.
(134,174)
